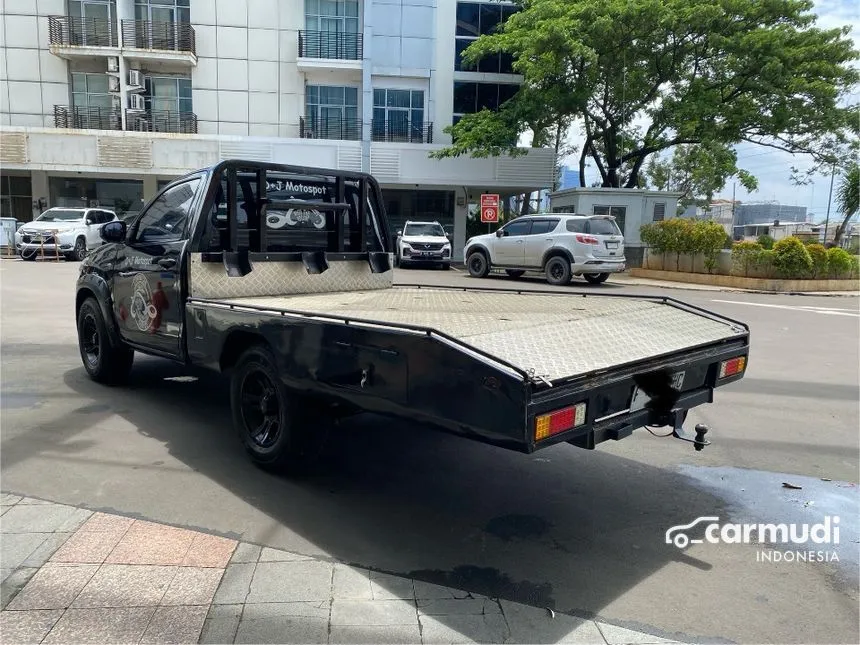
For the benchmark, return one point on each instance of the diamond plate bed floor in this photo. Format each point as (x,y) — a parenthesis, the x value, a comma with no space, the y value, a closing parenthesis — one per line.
(555,335)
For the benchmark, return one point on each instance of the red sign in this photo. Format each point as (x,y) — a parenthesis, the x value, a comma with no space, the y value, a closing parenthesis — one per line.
(489,209)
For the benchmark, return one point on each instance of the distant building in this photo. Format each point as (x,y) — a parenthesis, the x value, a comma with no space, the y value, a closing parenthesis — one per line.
(768,213)
(569,178)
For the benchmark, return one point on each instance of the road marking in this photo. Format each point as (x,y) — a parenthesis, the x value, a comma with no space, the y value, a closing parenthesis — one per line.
(827,311)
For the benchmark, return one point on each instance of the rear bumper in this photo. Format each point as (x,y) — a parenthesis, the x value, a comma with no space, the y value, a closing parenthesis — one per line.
(597,265)
(609,414)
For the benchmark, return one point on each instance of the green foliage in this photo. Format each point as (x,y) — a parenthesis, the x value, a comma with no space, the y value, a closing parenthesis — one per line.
(791,259)
(709,239)
(707,73)
(819,260)
(745,256)
(766,241)
(763,263)
(685,237)
(841,263)
(848,198)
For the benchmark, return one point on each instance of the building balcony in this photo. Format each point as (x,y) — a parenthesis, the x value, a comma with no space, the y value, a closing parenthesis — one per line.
(330,50)
(153,40)
(87,118)
(399,132)
(74,37)
(162,121)
(338,129)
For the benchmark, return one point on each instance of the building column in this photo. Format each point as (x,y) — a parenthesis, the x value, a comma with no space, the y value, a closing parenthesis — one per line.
(461,213)
(366,114)
(39,190)
(150,187)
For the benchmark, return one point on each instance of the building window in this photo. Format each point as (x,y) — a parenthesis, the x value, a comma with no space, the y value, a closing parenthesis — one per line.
(398,115)
(618,212)
(474,97)
(124,197)
(15,199)
(475,20)
(659,211)
(163,10)
(339,16)
(91,91)
(168,94)
(332,112)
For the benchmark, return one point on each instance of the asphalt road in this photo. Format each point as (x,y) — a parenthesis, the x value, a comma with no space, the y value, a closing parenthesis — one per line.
(579,531)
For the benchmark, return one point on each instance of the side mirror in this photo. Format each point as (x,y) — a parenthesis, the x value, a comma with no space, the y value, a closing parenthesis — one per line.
(399,233)
(500,233)
(114,231)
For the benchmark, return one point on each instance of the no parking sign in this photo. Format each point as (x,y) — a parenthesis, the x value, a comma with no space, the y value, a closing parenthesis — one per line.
(489,209)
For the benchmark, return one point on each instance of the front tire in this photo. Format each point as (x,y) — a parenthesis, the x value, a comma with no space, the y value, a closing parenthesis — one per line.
(596,278)
(103,362)
(478,265)
(80,250)
(558,270)
(268,418)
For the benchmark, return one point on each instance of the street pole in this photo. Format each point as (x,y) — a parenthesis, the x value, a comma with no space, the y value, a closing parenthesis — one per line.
(829,197)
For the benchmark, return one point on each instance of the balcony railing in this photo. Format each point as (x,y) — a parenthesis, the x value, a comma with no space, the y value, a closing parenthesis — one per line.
(330,44)
(82,32)
(397,131)
(87,118)
(318,128)
(165,36)
(163,121)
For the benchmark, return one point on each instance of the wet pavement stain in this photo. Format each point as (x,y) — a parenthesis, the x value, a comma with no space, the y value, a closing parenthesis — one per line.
(508,527)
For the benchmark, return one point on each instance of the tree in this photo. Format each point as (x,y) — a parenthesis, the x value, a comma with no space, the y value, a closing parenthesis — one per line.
(643,76)
(697,171)
(848,198)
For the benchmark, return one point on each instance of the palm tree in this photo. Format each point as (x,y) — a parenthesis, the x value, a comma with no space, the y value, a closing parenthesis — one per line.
(848,198)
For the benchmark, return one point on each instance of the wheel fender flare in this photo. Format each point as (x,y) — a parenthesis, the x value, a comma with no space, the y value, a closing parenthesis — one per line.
(479,248)
(557,251)
(94,285)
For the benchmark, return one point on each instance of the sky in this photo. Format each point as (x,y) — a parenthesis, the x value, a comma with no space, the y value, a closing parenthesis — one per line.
(773,167)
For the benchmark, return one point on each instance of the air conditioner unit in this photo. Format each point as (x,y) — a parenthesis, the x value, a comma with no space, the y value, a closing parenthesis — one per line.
(135,78)
(113,64)
(135,102)
(113,84)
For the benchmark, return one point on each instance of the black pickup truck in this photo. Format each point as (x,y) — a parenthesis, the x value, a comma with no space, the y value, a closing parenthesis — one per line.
(281,277)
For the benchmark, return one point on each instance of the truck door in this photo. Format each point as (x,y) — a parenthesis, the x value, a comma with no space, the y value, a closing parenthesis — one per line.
(509,249)
(148,278)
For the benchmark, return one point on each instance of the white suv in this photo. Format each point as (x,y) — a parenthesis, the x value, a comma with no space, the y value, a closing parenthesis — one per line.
(561,245)
(70,231)
(423,242)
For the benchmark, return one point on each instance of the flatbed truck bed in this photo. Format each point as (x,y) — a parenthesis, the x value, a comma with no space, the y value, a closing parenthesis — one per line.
(281,277)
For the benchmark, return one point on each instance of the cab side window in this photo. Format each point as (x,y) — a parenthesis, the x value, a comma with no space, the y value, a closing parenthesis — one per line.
(544,226)
(166,220)
(518,228)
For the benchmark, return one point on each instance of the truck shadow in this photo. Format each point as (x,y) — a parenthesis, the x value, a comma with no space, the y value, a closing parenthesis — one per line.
(564,528)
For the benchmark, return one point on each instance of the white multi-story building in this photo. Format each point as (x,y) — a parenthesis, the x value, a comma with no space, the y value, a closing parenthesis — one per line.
(104,101)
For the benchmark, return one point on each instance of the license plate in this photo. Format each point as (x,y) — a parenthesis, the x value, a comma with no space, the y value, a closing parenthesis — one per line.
(612,245)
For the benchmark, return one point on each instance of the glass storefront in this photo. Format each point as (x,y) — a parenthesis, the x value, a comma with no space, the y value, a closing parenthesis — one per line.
(123,196)
(16,197)
(422,205)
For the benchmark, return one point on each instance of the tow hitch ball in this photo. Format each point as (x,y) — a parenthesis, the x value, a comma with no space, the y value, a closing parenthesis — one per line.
(701,430)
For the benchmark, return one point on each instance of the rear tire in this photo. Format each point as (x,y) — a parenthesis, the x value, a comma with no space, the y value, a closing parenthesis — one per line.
(103,362)
(557,270)
(596,278)
(273,428)
(478,265)
(515,273)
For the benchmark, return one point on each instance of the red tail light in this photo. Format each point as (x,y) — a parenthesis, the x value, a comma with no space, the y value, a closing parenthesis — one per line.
(587,239)
(547,425)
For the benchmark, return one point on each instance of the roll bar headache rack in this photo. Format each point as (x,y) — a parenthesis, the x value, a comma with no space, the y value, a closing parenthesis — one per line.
(237,257)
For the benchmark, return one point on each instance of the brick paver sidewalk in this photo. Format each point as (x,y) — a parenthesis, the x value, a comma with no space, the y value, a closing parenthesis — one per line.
(70,575)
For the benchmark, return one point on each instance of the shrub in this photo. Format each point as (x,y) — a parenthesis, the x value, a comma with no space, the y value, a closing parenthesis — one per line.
(819,260)
(763,262)
(709,238)
(743,256)
(766,242)
(840,262)
(791,259)
(654,237)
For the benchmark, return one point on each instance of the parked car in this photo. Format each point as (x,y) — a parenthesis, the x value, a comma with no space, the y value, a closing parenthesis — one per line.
(423,242)
(309,326)
(560,245)
(71,231)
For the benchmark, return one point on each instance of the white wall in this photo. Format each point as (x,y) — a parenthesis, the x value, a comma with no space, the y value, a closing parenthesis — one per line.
(246,81)
(32,80)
